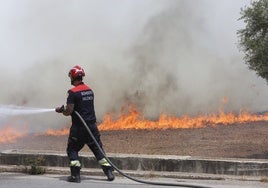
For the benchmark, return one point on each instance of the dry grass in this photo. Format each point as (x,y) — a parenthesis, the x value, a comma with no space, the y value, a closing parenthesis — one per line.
(239,140)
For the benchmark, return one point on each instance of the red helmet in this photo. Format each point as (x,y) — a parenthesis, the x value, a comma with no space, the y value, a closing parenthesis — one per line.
(76,71)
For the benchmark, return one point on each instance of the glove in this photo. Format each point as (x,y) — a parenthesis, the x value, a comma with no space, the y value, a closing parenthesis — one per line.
(59,109)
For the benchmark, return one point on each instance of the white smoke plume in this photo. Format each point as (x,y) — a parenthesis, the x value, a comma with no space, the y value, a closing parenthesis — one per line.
(177,57)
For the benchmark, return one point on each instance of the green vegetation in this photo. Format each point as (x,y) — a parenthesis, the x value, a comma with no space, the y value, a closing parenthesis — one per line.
(34,164)
(253,39)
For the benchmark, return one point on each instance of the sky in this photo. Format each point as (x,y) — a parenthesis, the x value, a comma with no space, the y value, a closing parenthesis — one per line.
(165,56)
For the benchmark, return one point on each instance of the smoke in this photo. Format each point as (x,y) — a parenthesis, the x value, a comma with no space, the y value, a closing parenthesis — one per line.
(175,57)
(183,64)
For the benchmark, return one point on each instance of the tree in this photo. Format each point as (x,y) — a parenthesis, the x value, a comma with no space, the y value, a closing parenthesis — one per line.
(253,39)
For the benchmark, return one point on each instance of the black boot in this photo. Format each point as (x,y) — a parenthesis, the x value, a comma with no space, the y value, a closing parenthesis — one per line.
(108,171)
(75,174)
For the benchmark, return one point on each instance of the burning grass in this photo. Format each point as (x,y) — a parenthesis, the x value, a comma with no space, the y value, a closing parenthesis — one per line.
(60,132)
(10,134)
(133,119)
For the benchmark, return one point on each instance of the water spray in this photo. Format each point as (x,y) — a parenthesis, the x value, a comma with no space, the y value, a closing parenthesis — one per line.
(13,110)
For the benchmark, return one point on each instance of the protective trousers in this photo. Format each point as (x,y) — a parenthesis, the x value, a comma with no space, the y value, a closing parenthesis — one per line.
(78,137)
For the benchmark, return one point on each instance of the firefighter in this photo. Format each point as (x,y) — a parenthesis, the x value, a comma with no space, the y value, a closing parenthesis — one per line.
(81,99)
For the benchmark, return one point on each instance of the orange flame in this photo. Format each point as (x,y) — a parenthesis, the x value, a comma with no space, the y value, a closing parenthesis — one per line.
(9,134)
(131,118)
(134,120)
(60,132)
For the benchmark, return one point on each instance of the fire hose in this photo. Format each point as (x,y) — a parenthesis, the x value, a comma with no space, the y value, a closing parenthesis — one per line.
(125,175)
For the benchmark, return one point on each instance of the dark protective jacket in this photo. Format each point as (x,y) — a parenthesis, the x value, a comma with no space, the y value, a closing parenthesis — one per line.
(82,97)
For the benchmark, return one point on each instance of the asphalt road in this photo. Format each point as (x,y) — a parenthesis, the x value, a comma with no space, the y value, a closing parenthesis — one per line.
(17,180)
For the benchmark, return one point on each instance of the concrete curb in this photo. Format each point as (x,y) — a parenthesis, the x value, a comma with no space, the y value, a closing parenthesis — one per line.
(137,174)
(143,165)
